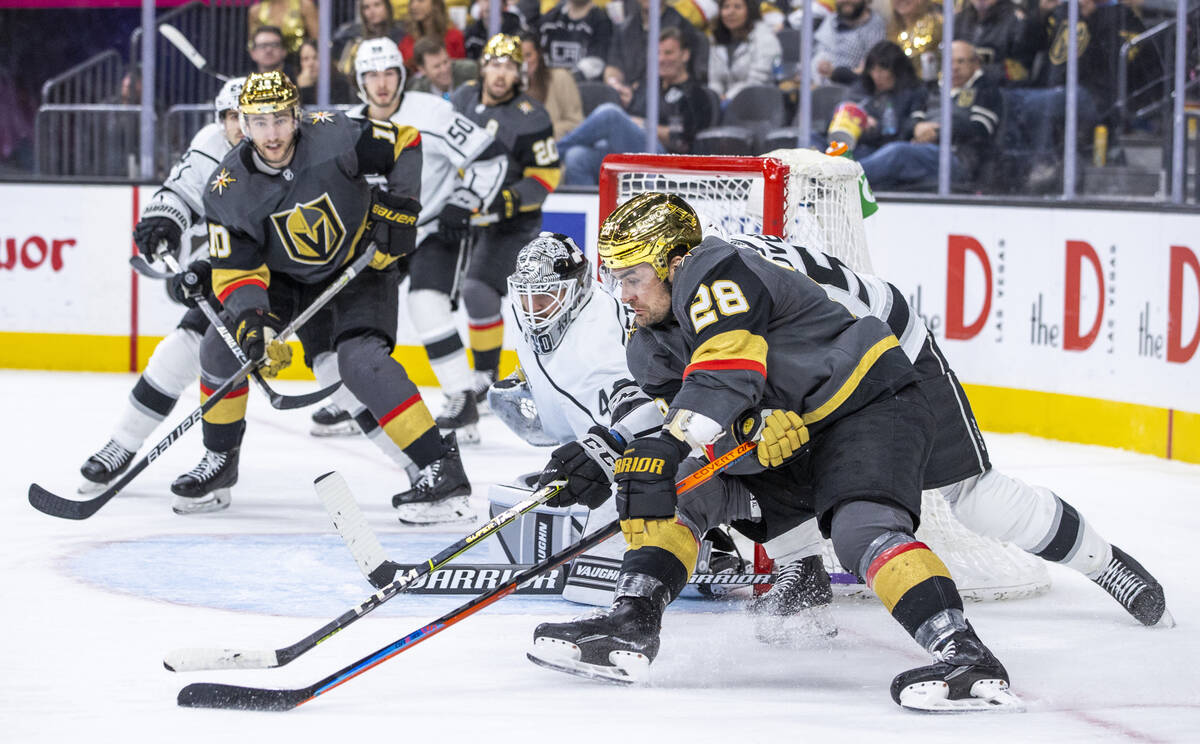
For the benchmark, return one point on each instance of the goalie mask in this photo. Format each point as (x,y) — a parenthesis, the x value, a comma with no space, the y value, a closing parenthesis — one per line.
(548,288)
(377,55)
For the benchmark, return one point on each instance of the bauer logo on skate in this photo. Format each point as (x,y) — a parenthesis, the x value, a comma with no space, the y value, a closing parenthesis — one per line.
(311,233)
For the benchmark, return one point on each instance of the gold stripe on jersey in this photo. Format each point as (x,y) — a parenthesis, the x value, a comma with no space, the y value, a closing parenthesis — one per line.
(230,409)
(847,389)
(225,281)
(738,349)
(547,177)
(667,534)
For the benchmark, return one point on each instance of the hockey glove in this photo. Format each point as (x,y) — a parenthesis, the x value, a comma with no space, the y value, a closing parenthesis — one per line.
(256,330)
(645,477)
(506,205)
(783,434)
(454,222)
(150,231)
(184,291)
(392,225)
(587,465)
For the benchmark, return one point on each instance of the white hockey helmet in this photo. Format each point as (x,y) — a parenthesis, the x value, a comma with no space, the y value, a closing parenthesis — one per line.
(377,55)
(227,97)
(551,283)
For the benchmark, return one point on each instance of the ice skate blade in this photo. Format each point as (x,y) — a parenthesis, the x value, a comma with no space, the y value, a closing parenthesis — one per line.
(344,429)
(628,668)
(468,434)
(448,511)
(990,695)
(214,501)
(1166,621)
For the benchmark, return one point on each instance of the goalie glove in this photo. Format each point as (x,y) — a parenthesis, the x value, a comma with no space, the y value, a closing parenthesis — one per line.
(587,465)
(783,435)
(256,331)
(392,226)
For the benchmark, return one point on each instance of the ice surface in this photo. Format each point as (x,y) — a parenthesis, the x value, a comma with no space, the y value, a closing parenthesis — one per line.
(90,608)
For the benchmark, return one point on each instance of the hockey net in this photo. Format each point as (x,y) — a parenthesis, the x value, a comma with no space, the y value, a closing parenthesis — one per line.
(813,199)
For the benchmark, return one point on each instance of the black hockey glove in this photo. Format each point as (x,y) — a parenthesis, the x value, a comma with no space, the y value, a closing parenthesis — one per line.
(195,281)
(392,225)
(645,477)
(150,231)
(587,464)
(506,205)
(454,222)
(255,333)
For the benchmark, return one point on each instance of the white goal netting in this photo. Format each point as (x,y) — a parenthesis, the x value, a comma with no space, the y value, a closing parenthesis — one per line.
(813,199)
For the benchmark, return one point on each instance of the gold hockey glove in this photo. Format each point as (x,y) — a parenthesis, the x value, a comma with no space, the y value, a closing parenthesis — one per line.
(783,434)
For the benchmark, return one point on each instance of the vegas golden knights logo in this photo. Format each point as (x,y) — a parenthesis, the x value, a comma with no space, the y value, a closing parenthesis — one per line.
(312,233)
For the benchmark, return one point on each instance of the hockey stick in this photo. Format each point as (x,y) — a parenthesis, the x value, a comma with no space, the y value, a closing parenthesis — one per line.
(56,506)
(214,695)
(139,264)
(180,42)
(281,402)
(340,503)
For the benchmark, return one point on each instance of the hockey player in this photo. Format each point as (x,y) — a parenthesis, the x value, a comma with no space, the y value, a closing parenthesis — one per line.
(462,167)
(170,219)
(572,387)
(523,129)
(289,207)
(844,432)
(985,500)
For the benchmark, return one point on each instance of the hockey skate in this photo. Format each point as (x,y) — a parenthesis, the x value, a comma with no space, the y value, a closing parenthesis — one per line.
(966,677)
(615,644)
(206,487)
(460,415)
(1137,591)
(331,421)
(796,611)
(103,467)
(440,494)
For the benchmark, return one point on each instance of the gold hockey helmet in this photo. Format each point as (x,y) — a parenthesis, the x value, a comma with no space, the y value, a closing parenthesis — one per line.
(646,229)
(268,92)
(503,46)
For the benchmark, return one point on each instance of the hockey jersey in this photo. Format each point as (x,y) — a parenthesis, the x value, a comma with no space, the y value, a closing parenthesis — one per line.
(181,197)
(303,220)
(585,382)
(450,143)
(522,126)
(759,335)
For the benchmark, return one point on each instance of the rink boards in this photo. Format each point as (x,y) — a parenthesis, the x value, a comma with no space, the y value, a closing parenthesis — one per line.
(1073,323)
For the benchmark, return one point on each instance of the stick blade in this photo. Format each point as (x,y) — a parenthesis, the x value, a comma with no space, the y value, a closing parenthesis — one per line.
(233,697)
(201,659)
(289,402)
(57,506)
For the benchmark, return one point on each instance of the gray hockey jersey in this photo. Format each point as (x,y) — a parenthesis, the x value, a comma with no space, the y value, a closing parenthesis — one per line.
(304,220)
(759,335)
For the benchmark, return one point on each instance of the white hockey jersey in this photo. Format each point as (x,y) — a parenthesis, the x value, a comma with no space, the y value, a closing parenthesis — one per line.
(585,382)
(450,144)
(861,294)
(181,198)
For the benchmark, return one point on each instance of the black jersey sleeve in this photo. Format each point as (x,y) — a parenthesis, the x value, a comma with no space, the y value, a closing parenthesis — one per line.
(392,150)
(536,153)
